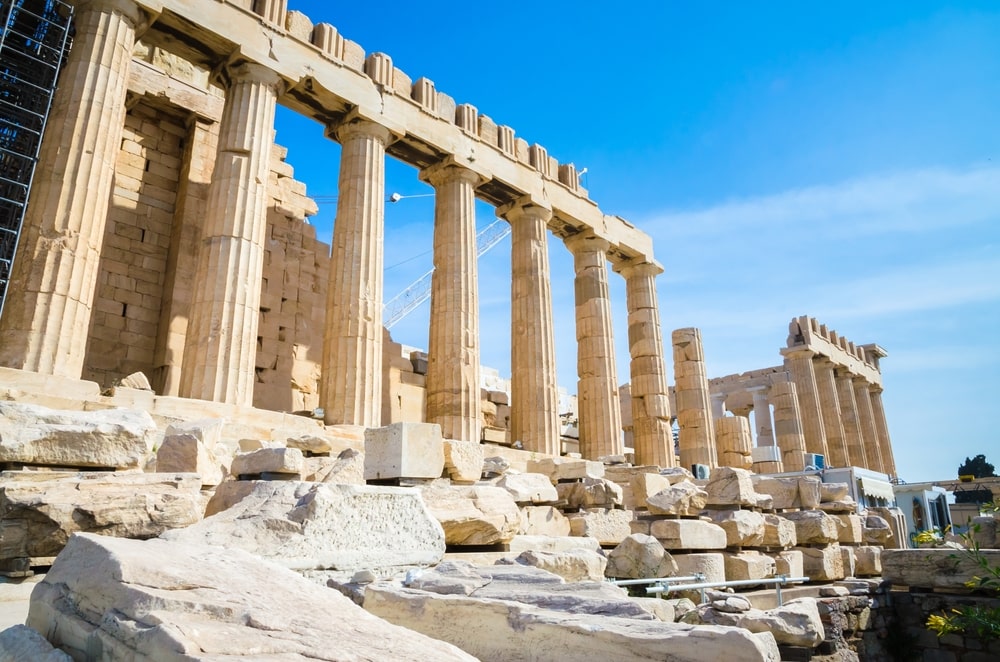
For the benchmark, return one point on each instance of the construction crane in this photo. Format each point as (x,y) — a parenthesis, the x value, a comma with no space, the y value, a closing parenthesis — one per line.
(419,291)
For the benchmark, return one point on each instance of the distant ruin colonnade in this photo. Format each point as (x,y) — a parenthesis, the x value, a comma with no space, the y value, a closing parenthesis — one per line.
(373,110)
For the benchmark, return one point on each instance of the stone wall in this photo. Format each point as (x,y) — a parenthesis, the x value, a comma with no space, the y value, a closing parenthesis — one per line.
(912,640)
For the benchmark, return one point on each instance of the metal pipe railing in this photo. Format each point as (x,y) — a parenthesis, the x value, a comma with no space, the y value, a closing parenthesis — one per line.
(658,580)
(701,586)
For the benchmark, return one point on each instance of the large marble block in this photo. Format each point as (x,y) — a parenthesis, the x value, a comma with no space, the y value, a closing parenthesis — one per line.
(404,450)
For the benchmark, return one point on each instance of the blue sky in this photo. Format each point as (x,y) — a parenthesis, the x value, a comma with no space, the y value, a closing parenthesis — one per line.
(840,160)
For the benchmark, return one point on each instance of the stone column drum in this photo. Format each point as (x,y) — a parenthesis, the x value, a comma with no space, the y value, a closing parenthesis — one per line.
(788,426)
(734,442)
(351,384)
(799,363)
(225,309)
(453,400)
(534,412)
(652,435)
(830,406)
(849,417)
(882,428)
(762,418)
(45,321)
(866,419)
(600,422)
(694,415)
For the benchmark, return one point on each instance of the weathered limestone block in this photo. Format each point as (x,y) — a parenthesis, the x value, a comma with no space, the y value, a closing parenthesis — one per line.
(347,468)
(105,438)
(822,563)
(566,468)
(834,492)
(876,530)
(280,461)
(790,492)
(814,527)
(473,514)
(645,485)
(610,527)
(529,585)
(688,534)
(984,531)
(404,450)
(189,449)
(590,493)
(325,526)
(712,565)
(640,556)
(575,565)
(520,543)
(463,460)
(845,506)
(497,631)
(748,565)
(662,609)
(681,498)
(39,511)
(20,642)
(120,598)
(797,623)
(676,474)
(933,568)
(495,466)
(849,560)
(810,491)
(868,561)
(779,532)
(529,488)
(744,528)
(543,521)
(789,563)
(729,486)
(851,528)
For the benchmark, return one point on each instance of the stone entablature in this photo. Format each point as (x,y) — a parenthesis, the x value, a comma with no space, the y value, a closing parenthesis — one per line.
(806,333)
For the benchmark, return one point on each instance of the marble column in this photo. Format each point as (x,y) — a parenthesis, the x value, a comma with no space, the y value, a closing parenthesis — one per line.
(47,312)
(826,386)
(221,342)
(849,416)
(799,363)
(762,417)
(453,362)
(788,431)
(534,412)
(599,409)
(694,415)
(734,442)
(866,420)
(718,405)
(652,433)
(882,428)
(351,385)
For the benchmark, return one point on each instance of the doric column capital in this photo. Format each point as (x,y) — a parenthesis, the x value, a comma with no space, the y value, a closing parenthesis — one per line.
(448,170)
(638,267)
(255,73)
(525,206)
(127,9)
(797,352)
(860,381)
(586,242)
(354,127)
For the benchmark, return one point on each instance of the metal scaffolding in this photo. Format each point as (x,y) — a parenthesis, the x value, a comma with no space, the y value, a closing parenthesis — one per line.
(33,44)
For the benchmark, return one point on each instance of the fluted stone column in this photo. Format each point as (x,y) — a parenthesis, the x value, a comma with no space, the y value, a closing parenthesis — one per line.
(48,308)
(788,426)
(882,428)
(453,362)
(734,442)
(694,415)
(599,410)
(221,342)
(800,364)
(849,416)
(351,385)
(534,412)
(762,417)
(652,434)
(826,386)
(866,419)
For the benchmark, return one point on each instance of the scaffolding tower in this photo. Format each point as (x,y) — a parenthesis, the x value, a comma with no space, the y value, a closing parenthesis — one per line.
(33,43)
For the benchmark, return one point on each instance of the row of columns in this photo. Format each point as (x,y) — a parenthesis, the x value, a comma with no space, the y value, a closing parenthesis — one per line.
(58,267)
(842,414)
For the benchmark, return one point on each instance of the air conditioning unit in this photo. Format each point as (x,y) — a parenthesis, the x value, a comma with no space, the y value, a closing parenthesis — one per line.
(815,461)
(700,471)
(765,454)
